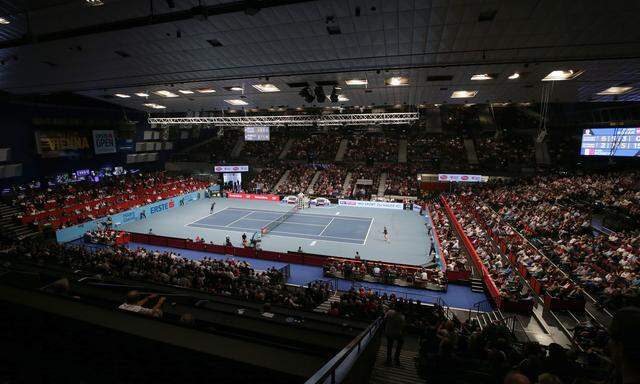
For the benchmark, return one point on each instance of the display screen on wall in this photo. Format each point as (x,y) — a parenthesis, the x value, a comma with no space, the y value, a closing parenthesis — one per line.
(618,142)
(256,133)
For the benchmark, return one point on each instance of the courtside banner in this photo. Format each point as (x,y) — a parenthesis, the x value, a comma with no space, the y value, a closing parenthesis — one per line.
(370,204)
(253,196)
(104,142)
(231,168)
(454,177)
(77,231)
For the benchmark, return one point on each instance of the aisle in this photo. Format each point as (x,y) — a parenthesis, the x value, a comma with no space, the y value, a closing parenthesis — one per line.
(405,374)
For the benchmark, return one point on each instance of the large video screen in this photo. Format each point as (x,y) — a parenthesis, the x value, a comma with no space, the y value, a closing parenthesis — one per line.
(622,142)
(256,133)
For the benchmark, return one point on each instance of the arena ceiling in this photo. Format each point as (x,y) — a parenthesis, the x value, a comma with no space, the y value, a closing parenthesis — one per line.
(143,46)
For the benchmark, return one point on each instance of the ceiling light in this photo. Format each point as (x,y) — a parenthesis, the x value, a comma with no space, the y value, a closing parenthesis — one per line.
(436,105)
(95,3)
(357,82)
(142,94)
(463,94)
(4,21)
(615,91)
(343,98)
(396,81)
(154,106)
(185,91)
(206,90)
(165,93)
(266,87)
(236,89)
(514,76)
(122,95)
(482,76)
(560,75)
(236,102)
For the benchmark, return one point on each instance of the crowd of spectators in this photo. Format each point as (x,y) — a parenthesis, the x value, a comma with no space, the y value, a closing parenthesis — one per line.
(509,286)
(458,352)
(318,147)
(370,147)
(266,179)
(72,203)
(265,150)
(554,282)
(503,151)
(556,212)
(401,180)
(434,151)
(300,176)
(385,273)
(105,237)
(216,276)
(454,255)
(330,182)
(367,174)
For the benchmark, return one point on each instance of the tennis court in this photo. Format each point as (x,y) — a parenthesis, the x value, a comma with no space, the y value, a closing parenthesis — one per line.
(342,229)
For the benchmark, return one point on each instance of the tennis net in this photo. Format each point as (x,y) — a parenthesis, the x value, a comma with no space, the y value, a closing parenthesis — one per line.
(272,225)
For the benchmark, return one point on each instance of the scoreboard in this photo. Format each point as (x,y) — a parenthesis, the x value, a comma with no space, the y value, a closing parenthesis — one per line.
(256,133)
(623,142)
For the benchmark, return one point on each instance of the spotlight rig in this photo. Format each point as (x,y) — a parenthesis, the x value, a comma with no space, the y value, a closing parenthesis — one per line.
(307,95)
(320,96)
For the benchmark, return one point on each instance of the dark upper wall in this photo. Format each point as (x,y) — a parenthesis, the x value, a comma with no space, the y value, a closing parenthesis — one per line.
(22,117)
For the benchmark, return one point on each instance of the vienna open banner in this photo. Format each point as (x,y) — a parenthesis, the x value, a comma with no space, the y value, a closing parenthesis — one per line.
(104,142)
(50,144)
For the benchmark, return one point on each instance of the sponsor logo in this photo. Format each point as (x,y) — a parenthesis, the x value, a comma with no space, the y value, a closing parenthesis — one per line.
(128,216)
(158,208)
(171,204)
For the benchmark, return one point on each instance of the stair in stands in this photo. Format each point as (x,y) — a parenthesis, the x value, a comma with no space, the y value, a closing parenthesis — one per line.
(342,149)
(314,179)
(12,228)
(346,185)
(477,285)
(286,149)
(325,306)
(470,148)
(404,374)
(382,184)
(237,148)
(402,151)
(283,178)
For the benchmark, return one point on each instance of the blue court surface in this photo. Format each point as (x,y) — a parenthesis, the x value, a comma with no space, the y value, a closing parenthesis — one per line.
(342,229)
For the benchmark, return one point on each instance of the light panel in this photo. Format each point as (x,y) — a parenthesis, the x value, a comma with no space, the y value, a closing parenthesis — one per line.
(463,94)
(165,93)
(236,102)
(615,91)
(562,75)
(266,87)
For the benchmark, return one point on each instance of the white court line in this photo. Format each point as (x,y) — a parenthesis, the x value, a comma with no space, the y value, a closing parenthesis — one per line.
(368,230)
(308,234)
(325,228)
(248,214)
(214,213)
(299,223)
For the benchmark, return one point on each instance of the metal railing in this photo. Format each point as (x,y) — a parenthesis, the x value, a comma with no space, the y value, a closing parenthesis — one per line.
(327,373)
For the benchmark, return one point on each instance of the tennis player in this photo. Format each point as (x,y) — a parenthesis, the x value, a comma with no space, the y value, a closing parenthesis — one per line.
(213,206)
(386,234)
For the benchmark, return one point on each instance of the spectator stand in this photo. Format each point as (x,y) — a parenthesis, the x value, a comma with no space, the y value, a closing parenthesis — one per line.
(385,273)
(453,274)
(551,302)
(490,285)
